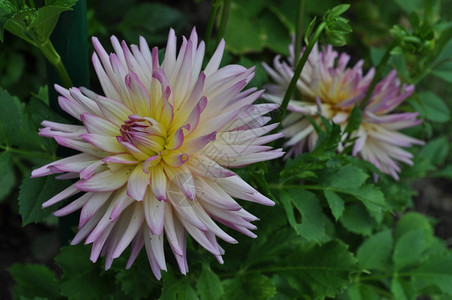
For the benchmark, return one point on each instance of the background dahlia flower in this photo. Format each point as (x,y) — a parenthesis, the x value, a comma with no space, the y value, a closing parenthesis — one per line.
(155,151)
(329,88)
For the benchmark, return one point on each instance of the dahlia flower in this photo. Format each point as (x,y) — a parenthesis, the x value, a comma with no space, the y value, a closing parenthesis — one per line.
(327,87)
(155,151)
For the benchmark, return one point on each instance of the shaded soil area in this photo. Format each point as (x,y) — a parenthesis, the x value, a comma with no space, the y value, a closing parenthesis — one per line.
(34,243)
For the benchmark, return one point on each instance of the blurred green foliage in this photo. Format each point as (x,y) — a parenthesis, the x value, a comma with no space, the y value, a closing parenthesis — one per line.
(338,234)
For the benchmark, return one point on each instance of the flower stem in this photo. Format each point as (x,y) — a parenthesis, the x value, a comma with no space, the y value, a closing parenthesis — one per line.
(224,19)
(298,69)
(298,26)
(379,70)
(213,15)
(54,58)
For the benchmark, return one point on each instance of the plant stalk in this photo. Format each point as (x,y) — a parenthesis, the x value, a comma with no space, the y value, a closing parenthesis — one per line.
(213,15)
(298,31)
(298,69)
(55,60)
(224,20)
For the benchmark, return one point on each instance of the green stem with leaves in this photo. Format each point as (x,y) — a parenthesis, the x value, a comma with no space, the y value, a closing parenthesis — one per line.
(54,58)
(378,72)
(298,69)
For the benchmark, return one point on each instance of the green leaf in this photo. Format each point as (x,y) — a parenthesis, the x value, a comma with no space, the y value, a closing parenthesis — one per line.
(138,282)
(34,280)
(375,251)
(413,221)
(347,177)
(61,3)
(372,198)
(354,121)
(309,30)
(9,117)
(177,288)
(362,292)
(45,20)
(209,285)
(408,249)
(7,176)
(410,5)
(273,34)
(335,202)
(317,271)
(431,107)
(436,150)
(18,25)
(435,271)
(311,226)
(255,286)
(152,21)
(397,289)
(249,39)
(34,192)
(338,10)
(357,220)
(7,10)
(81,278)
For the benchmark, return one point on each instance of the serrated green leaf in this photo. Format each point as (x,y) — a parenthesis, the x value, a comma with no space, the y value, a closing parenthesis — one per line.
(81,278)
(34,280)
(436,150)
(7,10)
(34,192)
(408,249)
(375,251)
(7,176)
(414,221)
(335,202)
(435,271)
(177,288)
(347,177)
(9,117)
(372,198)
(45,20)
(18,25)
(312,226)
(317,272)
(255,286)
(431,107)
(209,285)
(357,220)
(138,282)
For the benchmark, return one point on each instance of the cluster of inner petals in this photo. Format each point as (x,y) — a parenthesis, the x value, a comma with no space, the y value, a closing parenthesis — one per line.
(148,142)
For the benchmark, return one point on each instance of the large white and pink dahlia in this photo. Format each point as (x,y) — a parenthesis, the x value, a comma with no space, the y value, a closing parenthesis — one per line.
(328,88)
(155,151)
